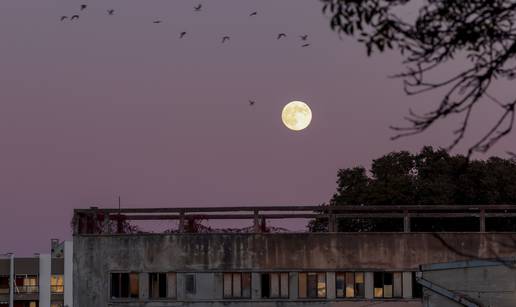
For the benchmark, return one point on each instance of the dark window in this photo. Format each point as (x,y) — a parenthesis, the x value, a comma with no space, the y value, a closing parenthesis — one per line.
(312,285)
(237,285)
(275,285)
(349,284)
(157,285)
(4,284)
(190,284)
(124,285)
(417,289)
(387,284)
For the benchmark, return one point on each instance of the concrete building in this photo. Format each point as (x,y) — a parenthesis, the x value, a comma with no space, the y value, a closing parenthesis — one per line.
(39,281)
(259,268)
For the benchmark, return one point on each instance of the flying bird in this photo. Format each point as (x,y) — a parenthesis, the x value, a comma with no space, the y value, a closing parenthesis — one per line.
(252,102)
(111,12)
(304,37)
(74,17)
(63,18)
(83,7)
(182,34)
(225,39)
(305,45)
(281,35)
(253,14)
(157,21)
(198,8)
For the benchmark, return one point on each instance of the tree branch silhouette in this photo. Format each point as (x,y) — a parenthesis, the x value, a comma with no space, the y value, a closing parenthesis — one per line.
(481,33)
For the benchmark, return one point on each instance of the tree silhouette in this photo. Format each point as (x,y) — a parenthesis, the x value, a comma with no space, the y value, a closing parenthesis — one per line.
(430,177)
(480,33)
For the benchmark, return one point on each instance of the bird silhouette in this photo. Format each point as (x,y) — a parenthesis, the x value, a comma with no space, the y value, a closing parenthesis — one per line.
(83,7)
(111,12)
(225,39)
(63,18)
(252,102)
(281,35)
(198,8)
(253,14)
(74,17)
(157,21)
(304,37)
(182,34)
(305,45)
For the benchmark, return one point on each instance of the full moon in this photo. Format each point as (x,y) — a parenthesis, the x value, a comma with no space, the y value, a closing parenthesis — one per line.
(296,115)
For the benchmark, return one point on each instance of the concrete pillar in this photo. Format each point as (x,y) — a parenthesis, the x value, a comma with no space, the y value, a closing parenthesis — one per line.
(181,295)
(293,284)
(407,284)
(143,282)
(45,264)
(106,223)
(330,285)
(68,274)
(256,223)
(406,221)
(218,288)
(256,286)
(11,280)
(369,285)
(482,220)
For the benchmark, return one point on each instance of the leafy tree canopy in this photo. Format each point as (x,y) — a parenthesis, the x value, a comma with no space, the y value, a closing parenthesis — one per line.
(430,177)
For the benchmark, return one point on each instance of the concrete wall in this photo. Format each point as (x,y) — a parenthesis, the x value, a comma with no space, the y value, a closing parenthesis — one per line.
(95,256)
(491,285)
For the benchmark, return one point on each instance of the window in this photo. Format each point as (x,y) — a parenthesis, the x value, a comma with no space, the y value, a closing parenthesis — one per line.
(237,285)
(274,285)
(350,284)
(190,283)
(312,285)
(417,289)
(26,284)
(4,284)
(57,284)
(387,284)
(157,285)
(124,285)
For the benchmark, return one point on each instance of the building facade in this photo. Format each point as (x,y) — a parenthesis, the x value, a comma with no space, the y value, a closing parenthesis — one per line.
(39,281)
(263,269)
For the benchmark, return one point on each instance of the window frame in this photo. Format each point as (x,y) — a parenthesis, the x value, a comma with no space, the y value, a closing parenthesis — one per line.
(150,287)
(232,296)
(307,289)
(355,296)
(383,285)
(120,297)
(280,286)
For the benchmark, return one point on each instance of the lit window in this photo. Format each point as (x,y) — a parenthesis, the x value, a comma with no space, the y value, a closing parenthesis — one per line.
(26,284)
(350,284)
(57,284)
(237,285)
(274,285)
(312,285)
(387,284)
(124,285)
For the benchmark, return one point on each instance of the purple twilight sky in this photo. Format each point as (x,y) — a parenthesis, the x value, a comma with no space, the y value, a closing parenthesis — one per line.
(116,105)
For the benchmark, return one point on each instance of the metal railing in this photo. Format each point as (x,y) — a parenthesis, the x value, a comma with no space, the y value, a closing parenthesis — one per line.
(96,220)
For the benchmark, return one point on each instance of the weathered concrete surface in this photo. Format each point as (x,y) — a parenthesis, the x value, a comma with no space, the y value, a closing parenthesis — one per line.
(491,285)
(97,255)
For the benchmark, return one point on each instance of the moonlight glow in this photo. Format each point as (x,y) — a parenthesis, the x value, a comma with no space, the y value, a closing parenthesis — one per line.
(296,115)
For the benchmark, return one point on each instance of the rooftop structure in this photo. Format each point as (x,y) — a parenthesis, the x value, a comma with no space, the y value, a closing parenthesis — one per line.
(115,265)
